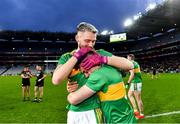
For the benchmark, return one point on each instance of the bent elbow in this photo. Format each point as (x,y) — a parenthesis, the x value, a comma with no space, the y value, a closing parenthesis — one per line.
(131,66)
(56,81)
(128,67)
(72,101)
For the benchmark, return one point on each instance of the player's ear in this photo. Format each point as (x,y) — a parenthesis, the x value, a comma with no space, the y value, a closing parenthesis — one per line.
(76,38)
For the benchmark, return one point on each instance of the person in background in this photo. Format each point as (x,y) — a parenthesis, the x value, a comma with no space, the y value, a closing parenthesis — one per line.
(26,75)
(39,86)
(135,83)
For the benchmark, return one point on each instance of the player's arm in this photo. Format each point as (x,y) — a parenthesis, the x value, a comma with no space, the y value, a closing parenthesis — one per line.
(62,71)
(44,76)
(120,62)
(94,84)
(31,75)
(71,86)
(22,75)
(80,95)
(131,76)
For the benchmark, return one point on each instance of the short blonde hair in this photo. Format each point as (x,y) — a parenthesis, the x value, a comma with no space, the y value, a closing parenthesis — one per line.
(84,26)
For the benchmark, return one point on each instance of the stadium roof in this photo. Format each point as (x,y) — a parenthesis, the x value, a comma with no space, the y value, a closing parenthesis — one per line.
(163,18)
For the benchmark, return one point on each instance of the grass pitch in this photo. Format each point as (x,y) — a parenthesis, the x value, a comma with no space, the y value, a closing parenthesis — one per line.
(14,109)
(159,96)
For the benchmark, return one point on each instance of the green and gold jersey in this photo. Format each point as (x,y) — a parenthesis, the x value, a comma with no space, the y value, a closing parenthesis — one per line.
(108,83)
(76,75)
(137,73)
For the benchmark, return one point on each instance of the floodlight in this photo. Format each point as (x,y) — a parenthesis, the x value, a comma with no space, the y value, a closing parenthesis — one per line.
(128,22)
(151,6)
(105,32)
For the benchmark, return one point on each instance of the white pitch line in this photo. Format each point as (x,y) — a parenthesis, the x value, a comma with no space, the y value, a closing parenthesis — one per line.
(163,114)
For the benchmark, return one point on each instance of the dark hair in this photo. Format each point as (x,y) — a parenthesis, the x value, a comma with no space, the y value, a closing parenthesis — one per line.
(39,65)
(26,66)
(132,56)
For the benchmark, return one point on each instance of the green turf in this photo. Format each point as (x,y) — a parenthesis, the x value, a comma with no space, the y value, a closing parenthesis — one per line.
(13,109)
(162,95)
(159,96)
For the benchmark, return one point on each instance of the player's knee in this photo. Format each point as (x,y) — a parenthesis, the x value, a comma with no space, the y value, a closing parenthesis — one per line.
(130,95)
(139,97)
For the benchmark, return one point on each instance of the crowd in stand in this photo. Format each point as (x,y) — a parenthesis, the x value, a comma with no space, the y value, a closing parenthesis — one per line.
(170,64)
(159,52)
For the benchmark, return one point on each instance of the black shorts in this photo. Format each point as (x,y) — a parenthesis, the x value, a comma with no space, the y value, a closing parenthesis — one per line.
(39,84)
(154,72)
(25,83)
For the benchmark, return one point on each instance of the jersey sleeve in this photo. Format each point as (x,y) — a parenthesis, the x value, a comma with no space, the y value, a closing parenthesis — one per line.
(104,53)
(64,58)
(96,82)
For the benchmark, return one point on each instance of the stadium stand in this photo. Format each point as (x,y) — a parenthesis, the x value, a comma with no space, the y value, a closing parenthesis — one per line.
(154,39)
(162,50)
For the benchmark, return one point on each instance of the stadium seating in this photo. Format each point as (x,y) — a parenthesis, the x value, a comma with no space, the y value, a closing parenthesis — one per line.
(22,48)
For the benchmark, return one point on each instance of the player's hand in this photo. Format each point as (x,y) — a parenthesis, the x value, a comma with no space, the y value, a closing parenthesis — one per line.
(39,80)
(93,60)
(72,86)
(127,85)
(82,52)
